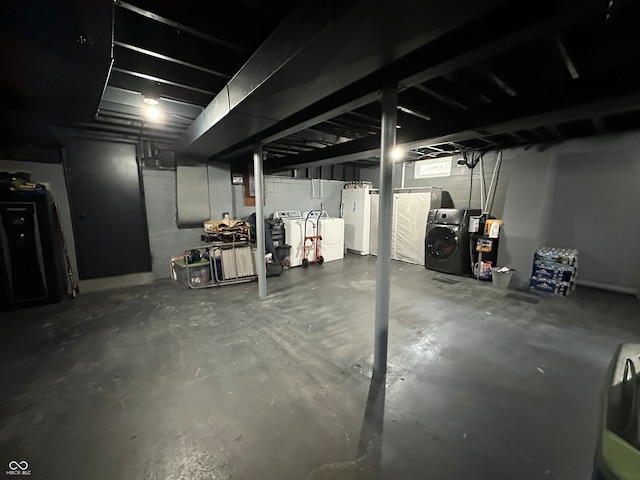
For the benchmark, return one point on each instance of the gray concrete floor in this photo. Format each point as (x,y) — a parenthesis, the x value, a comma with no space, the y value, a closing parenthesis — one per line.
(162,382)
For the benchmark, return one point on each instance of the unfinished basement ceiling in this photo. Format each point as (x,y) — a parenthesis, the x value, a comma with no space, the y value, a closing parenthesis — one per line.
(304,78)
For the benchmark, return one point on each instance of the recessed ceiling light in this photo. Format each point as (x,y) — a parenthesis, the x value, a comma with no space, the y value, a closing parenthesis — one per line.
(153,113)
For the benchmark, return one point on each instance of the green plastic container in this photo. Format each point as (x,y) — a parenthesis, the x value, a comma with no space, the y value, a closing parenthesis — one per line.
(192,274)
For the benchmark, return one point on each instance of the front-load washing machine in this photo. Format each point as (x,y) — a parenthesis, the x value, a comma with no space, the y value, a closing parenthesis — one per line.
(446,243)
(331,231)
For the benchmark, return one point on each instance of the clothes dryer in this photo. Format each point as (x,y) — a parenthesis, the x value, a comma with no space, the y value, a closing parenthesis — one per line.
(332,232)
(446,242)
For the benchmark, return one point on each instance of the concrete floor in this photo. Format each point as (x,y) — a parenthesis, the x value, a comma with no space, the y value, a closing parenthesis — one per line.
(165,383)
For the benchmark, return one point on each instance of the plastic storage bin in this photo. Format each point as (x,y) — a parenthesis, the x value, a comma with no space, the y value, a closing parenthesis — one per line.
(192,274)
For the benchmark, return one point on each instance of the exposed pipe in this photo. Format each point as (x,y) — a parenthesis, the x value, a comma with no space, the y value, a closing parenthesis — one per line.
(260,254)
(470,184)
(482,184)
(387,142)
(485,207)
(494,183)
(404,166)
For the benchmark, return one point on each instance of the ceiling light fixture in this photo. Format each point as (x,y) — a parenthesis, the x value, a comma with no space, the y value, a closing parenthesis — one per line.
(152,110)
(397,154)
(153,113)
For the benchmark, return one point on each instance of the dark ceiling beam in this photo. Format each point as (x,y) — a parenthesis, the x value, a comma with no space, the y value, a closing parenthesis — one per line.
(565,18)
(475,93)
(598,124)
(435,148)
(313,135)
(566,57)
(303,47)
(110,118)
(551,26)
(503,85)
(373,121)
(132,131)
(415,113)
(480,138)
(346,126)
(497,121)
(582,111)
(276,150)
(161,80)
(134,112)
(438,96)
(291,147)
(167,58)
(179,26)
(555,131)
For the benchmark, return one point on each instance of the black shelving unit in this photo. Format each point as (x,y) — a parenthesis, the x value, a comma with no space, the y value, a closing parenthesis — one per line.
(483,249)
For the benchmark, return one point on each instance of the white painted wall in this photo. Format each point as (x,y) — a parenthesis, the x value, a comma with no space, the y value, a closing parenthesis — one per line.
(286,193)
(52,175)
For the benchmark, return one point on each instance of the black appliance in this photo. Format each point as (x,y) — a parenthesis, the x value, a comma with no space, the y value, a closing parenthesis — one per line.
(31,261)
(446,240)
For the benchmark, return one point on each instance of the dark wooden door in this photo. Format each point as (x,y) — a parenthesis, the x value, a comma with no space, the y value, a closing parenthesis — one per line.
(107,206)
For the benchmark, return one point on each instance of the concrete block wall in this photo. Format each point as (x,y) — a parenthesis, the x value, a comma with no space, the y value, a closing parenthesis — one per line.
(286,193)
(457,184)
(579,193)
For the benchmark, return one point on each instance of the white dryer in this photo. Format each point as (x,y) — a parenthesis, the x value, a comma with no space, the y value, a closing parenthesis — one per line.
(332,232)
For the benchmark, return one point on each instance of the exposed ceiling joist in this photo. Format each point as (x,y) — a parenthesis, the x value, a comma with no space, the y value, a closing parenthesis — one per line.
(167,58)
(178,26)
(370,146)
(161,80)
(410,24)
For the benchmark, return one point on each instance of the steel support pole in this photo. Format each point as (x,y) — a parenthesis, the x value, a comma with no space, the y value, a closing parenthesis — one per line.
(259,187)
(387,143)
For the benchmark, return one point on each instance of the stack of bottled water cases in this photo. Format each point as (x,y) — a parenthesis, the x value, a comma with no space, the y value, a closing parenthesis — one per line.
(554,270)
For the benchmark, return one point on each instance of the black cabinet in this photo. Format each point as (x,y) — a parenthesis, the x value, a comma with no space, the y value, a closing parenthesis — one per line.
(31,261)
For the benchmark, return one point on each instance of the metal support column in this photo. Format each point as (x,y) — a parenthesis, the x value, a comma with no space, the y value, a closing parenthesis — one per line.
(259,186)
(388,141)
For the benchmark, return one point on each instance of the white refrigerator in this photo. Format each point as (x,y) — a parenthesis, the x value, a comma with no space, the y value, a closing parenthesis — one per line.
(356,211)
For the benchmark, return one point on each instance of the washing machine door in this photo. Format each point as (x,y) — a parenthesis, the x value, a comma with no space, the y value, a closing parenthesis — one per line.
(442,243)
